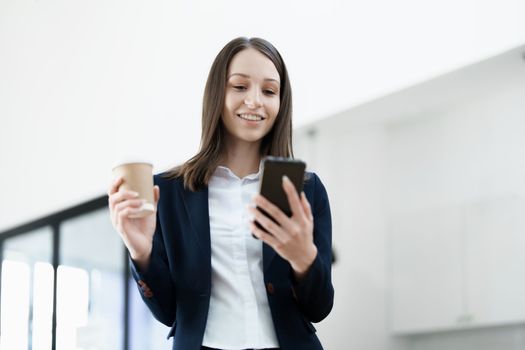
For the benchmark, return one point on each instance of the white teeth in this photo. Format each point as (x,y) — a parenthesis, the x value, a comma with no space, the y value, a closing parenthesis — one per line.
(253,117)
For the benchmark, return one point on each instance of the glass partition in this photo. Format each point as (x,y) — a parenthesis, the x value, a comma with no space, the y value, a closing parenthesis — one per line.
(90,284)
(27,291)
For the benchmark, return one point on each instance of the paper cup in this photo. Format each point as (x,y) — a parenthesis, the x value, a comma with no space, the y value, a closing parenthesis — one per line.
(138,177)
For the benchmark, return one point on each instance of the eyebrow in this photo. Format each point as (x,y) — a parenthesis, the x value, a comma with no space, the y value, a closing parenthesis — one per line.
(247,76)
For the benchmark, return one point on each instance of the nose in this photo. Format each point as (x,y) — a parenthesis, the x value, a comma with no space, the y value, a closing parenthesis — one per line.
(253,98)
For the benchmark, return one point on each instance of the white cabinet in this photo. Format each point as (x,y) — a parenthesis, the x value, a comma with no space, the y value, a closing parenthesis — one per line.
(426,276)
(495,260)
(458,266)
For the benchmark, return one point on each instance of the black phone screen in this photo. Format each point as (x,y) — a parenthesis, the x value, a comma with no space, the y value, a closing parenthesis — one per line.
(271,186)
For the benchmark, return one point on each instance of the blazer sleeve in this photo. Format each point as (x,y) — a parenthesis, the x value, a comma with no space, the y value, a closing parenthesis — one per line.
(155,284)
(315,292)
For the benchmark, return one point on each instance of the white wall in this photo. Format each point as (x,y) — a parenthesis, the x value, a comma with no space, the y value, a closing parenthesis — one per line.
(350,162)
(463,154)
(397,155)
(83,83)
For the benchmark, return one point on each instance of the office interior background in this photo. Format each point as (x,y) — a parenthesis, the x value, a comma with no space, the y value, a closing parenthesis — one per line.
(411,112)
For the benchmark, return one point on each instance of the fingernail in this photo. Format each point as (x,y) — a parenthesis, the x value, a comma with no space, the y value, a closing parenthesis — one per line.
(135,194)
(285,178)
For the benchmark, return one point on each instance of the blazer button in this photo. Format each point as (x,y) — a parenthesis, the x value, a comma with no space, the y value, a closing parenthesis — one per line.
(270,288)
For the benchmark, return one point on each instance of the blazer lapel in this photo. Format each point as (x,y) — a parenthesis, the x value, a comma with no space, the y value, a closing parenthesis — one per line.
(197,208)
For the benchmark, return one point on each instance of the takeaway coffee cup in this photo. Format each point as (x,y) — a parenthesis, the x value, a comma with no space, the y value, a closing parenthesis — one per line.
(138,177)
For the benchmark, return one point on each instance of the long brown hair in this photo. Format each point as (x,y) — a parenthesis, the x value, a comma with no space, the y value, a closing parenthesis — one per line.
(197,171)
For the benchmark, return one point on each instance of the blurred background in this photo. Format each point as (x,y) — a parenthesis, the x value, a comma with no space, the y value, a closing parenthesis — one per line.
(411,112)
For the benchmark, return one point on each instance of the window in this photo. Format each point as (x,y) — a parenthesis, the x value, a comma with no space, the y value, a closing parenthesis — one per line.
(90,284)
(27,291)
(95,308)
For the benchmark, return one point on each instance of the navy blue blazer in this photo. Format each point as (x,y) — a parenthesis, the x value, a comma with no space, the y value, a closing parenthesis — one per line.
(176,286)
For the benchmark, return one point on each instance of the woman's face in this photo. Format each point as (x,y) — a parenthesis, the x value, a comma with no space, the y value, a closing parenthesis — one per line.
(252,95)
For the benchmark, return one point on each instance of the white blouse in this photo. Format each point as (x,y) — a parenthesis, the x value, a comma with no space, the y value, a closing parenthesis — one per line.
(239,315)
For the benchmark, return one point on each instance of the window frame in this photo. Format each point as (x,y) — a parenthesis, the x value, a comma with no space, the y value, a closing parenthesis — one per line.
(54,222)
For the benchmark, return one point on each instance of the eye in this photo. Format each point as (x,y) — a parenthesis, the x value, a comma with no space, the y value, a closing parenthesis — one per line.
(269,92)
(239,87)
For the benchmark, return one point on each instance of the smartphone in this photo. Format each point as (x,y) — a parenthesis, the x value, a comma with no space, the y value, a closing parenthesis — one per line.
(271,185)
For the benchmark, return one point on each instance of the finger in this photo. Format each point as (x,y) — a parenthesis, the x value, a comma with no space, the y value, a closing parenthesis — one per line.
(115,185)
(119,207)
(156,194)
(134,203)
(265,237)
(268,224)
(306,206)
(293,197)
(120,196)
(272,210)
(124,214)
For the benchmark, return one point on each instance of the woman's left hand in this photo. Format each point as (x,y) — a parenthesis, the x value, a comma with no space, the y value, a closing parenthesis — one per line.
(291,237)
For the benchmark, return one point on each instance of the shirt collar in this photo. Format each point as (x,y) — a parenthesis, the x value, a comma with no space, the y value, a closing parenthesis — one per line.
(224,171)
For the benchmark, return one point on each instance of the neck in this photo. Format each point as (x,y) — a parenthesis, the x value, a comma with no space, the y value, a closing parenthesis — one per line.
(241,158)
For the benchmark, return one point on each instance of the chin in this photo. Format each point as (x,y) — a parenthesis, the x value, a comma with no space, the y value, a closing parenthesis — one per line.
(251,138)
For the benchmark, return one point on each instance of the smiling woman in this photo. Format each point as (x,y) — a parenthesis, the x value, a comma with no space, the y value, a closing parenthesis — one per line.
(248,78)
(196,263)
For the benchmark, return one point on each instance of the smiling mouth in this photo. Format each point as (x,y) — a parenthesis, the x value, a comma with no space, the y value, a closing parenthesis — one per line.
(251,117)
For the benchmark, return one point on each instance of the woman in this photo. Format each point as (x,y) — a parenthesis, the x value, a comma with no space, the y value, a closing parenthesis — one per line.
(196,264)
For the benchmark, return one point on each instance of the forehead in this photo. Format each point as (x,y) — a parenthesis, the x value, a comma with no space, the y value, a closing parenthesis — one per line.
(254,64)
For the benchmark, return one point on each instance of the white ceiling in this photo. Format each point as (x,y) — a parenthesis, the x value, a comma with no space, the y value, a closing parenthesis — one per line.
(481,80)
(84,83)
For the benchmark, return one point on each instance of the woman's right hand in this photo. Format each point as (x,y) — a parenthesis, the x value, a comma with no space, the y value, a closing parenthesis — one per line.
(136,233)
